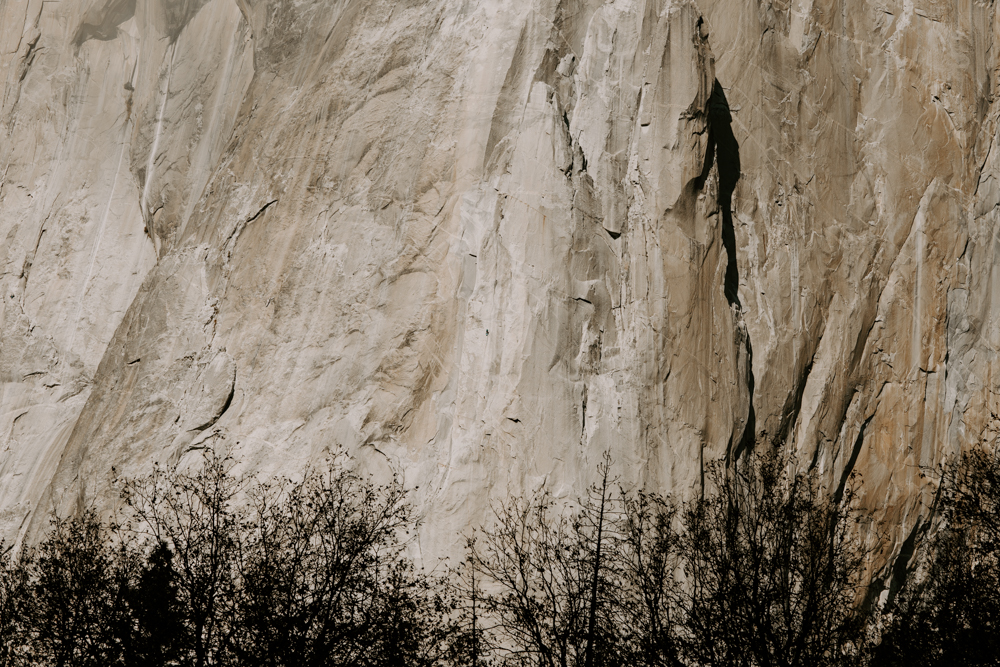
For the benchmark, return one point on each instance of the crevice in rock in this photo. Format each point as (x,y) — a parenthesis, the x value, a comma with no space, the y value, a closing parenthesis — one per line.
(261,211)
(234,236)
(724,152)
(793,404)
(900,566)
(29,260)
(853,460)
(749,437)
(225,406)
(29,57)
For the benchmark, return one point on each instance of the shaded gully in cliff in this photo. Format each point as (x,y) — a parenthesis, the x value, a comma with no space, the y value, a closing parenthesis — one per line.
(724,151)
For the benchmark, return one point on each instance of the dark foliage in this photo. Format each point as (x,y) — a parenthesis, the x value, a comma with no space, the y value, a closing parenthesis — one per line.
(554,581)
(651,602)
(314,573)
(157,633)
(764,570)
(194,516)
(325,580)
(773,570)
(13,601)
(76,609)
(949,611)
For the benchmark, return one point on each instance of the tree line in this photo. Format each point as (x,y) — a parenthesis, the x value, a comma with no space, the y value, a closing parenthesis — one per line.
(768,567)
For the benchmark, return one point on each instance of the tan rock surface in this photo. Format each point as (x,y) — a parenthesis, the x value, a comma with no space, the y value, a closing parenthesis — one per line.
(472,242)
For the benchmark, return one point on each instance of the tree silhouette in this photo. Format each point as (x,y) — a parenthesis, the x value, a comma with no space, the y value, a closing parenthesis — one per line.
(550,579)
(651,595)
(772,567)
(325,579)
(13,608)
(156,610)
(948,612)
(195,515)
(75,602)
(763,570)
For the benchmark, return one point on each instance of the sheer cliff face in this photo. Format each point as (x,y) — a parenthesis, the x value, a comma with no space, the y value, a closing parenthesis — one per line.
(478,243)
(866,222)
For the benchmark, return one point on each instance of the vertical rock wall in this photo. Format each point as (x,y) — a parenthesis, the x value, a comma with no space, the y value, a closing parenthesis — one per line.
(867,226)
(479,243)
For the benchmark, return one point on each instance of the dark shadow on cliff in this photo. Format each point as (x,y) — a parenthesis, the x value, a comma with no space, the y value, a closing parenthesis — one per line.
(724,151)
(102,23)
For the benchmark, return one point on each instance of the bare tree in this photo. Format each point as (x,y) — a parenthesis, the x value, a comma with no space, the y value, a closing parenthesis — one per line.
(550,579)
(214,569)
(650,597)
(75,600)
(13,609)
(472,641)
(594,511)
(195,515)
(948,610)
(325,580)
(772,569)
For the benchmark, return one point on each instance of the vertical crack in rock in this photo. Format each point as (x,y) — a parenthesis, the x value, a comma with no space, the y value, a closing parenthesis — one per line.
(29,57)
(724,151)
(900,567)
(853,460)
(750,429)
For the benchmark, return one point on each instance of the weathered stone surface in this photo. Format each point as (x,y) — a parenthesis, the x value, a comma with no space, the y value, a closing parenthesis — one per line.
(868,134)
(478,243)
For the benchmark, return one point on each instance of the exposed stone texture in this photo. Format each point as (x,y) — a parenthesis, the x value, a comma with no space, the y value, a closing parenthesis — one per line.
(867,223)
(478,243)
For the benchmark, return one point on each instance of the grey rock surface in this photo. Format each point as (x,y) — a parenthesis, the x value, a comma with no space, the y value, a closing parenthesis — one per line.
(477,243)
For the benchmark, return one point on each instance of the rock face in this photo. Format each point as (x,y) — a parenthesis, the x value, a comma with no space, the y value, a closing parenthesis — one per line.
(479,243)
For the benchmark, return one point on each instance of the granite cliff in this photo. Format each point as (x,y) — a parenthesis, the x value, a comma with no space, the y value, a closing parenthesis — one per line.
(479,242)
